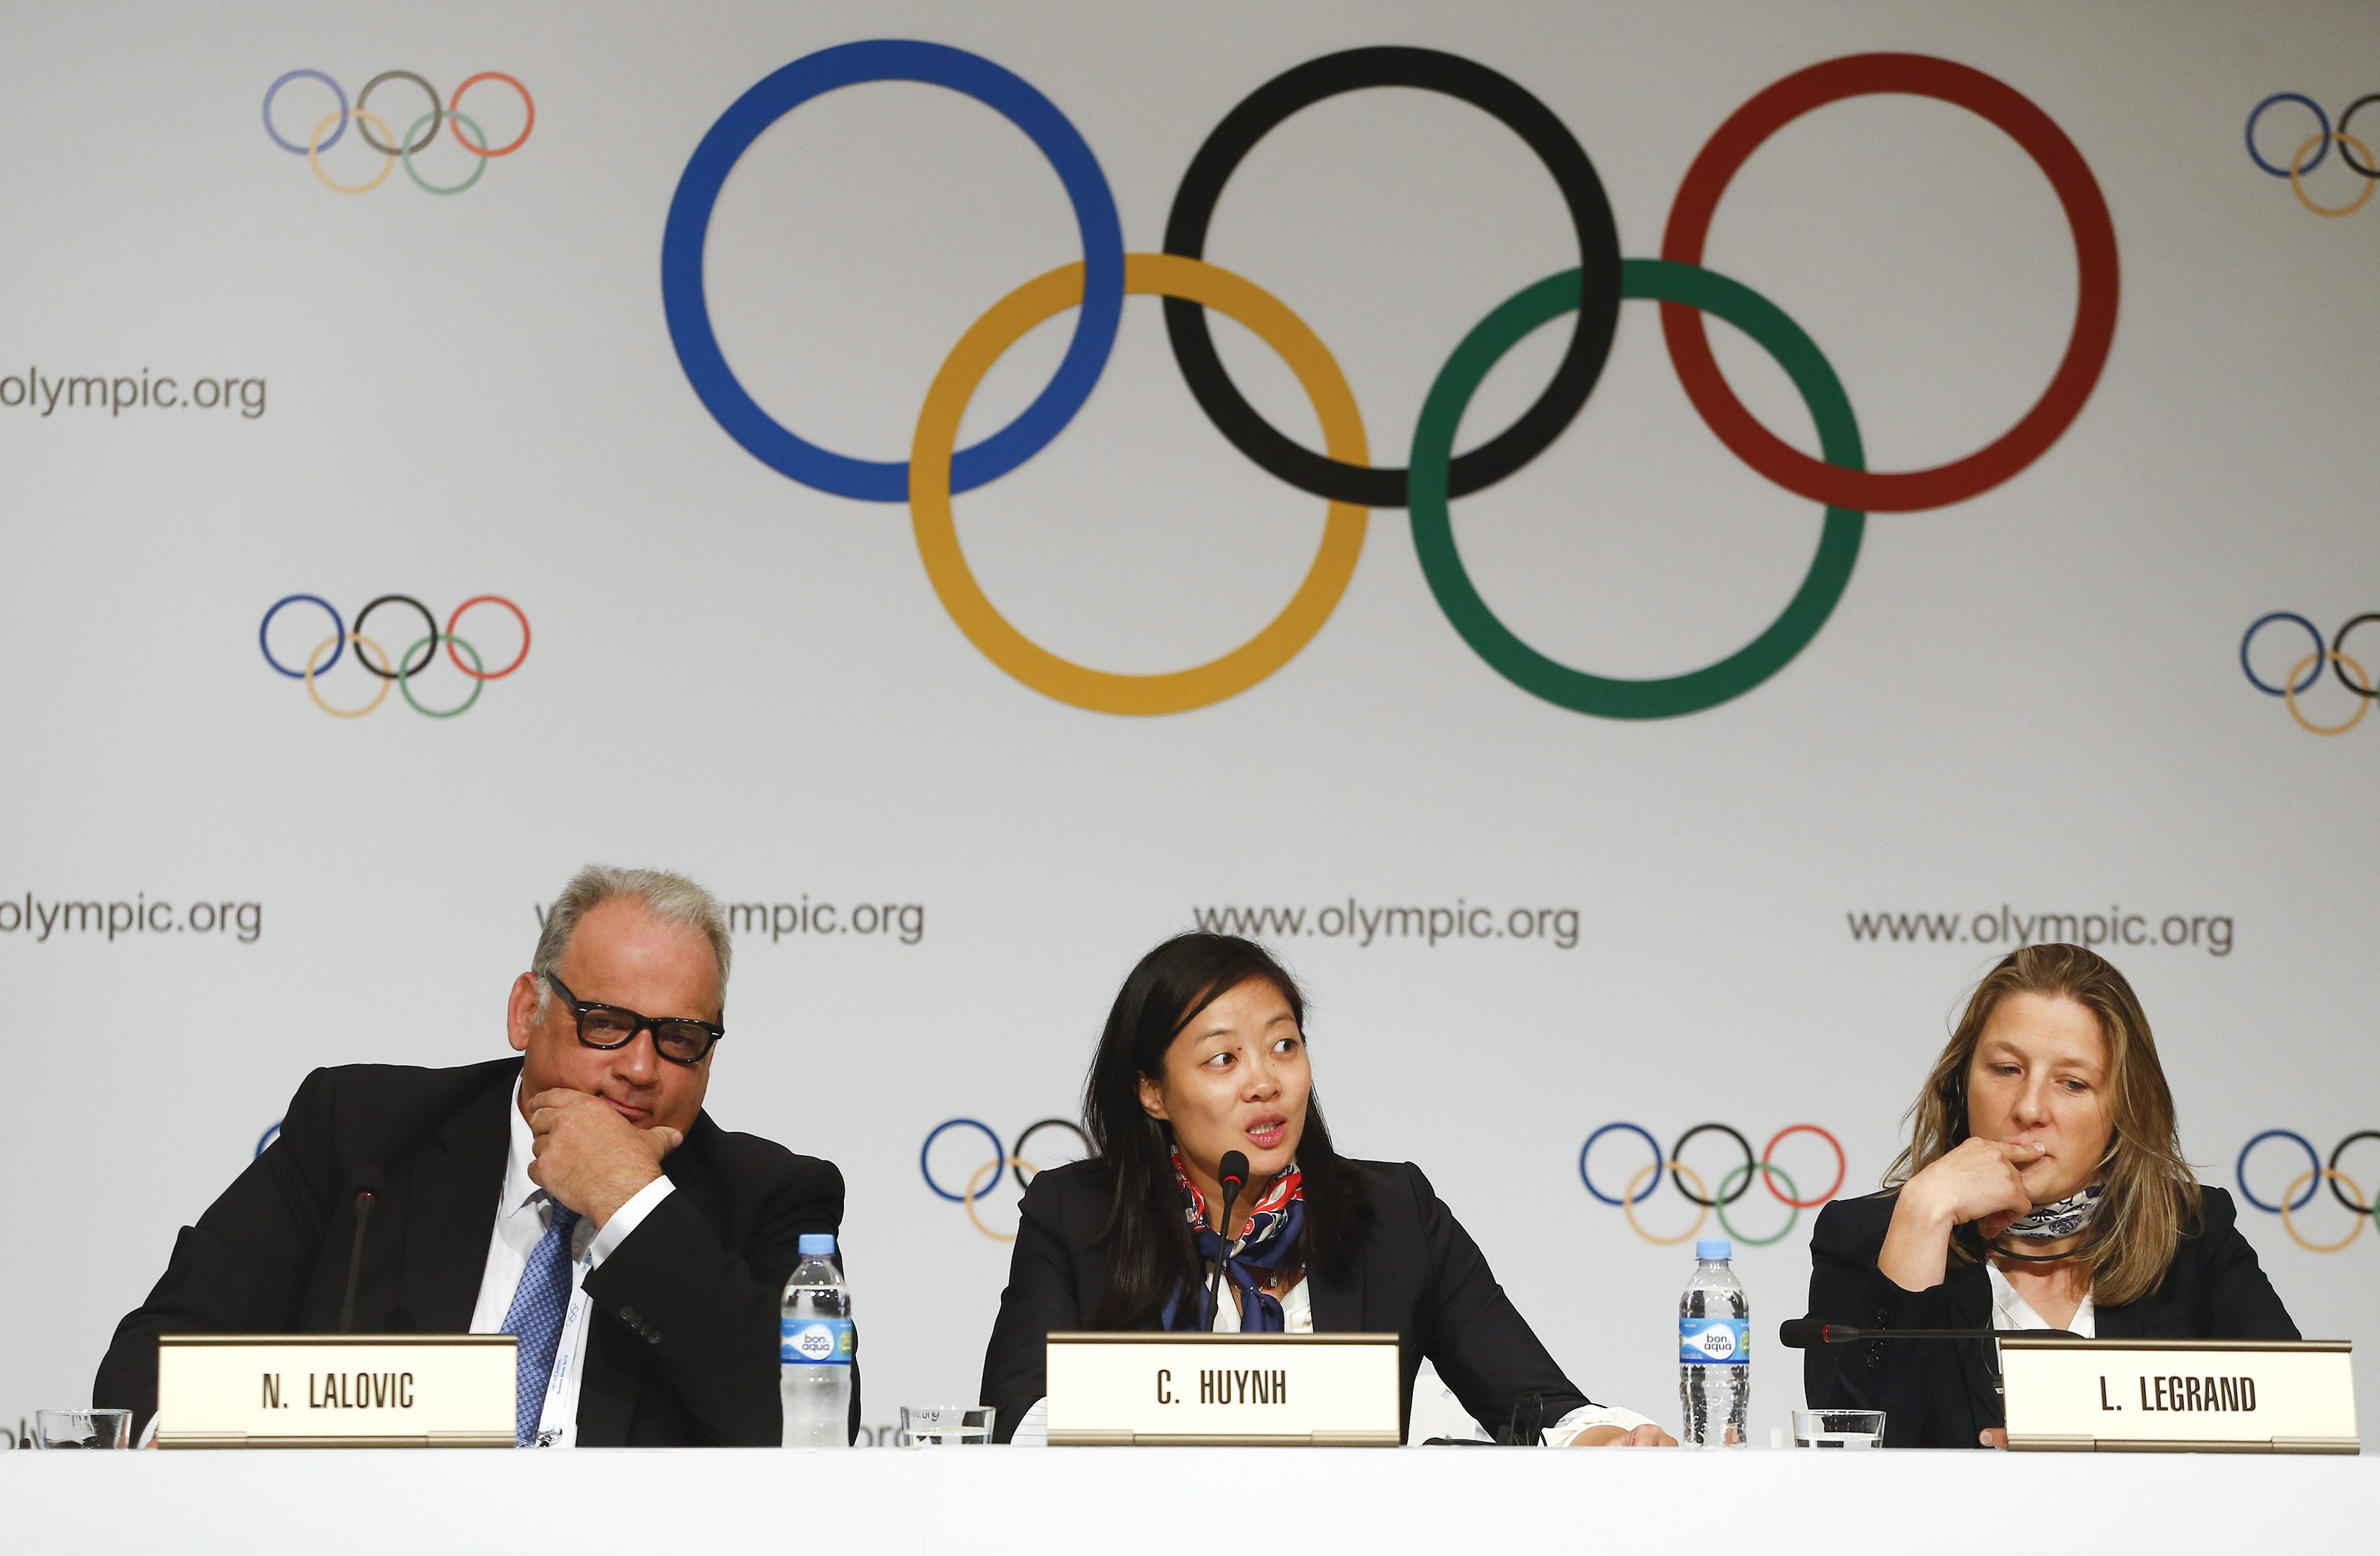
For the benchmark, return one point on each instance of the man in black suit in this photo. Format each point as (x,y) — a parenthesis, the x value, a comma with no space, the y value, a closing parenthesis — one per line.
(577,1195)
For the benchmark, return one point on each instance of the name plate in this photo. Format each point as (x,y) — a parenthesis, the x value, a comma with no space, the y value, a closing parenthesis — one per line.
(1258,1391)
(2148,1396)
(343,1390)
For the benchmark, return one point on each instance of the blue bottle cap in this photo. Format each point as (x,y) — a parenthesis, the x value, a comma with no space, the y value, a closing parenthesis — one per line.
(1708,1247)
(823,1243)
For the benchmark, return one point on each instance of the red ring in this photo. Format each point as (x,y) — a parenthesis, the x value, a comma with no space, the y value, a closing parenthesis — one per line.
(487,600)
(455,103)
(1768,1153)
(1896,491)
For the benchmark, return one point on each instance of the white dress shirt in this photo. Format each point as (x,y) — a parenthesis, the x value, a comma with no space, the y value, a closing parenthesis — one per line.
(524,1212)
(1297,1318)
(2012,1311)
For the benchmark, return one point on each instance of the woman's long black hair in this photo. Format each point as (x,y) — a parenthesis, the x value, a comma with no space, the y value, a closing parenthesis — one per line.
(1147,1234)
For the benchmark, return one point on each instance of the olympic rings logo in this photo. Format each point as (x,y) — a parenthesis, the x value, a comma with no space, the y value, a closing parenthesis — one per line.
(2315,147)
(986,1178)
(2343,1189)
(1343,477)
(393,148)
(406,667)
(1734,1185)
(2308,670)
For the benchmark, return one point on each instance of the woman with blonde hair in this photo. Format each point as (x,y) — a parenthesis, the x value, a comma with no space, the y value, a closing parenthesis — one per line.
(2042,1188)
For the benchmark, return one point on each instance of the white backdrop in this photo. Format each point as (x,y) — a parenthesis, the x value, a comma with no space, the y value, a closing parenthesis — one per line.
(2029,697)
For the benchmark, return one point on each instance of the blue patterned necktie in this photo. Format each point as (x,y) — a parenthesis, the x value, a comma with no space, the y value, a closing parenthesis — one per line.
(535,1320)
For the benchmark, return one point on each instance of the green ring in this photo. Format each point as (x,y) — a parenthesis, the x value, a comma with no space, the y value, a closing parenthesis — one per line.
(405,145)
(480,684)
(1606,696)
(1794,1212)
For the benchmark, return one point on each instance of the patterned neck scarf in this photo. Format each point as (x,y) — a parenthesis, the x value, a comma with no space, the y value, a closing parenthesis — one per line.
(1267,1240)
(2063,1219)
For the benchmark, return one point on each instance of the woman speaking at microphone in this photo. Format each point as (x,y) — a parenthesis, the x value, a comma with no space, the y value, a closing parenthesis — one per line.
(2042,1188)
(1204,1056)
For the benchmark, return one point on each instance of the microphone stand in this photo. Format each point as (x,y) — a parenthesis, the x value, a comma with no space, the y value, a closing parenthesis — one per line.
(1231,1184)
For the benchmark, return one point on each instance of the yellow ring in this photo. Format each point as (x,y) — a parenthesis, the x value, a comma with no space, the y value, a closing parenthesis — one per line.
(2351,206)
(2355,1188)
(362,643)
(2289,695)
(1702,1192)
(1164,275)
(1020,1166)
(314,155)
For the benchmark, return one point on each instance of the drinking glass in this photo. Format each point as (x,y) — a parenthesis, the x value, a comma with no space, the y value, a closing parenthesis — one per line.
(82,1428)
(945,1425)
(1838,1429)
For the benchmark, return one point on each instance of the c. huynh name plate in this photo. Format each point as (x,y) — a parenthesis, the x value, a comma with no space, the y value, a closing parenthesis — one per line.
(335,1391)
(2234,1396)
(1334,1390)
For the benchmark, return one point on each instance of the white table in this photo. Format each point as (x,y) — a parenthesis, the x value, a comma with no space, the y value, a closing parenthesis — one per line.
(1096,1502)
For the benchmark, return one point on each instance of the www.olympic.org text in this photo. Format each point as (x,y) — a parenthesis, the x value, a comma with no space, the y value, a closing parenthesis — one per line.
(118,392)
(1365,926)
(2006,926)
(905,922)
(37,920)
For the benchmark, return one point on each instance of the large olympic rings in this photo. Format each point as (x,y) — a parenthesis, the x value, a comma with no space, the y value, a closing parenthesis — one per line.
(405,667)
(986,1178)
(2308,670)
(398,149)
(2343,1189)
(2318,145)
(1437,473)
(1732,1185)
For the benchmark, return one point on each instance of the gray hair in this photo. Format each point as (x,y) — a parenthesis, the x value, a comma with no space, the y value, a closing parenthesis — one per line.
(667,896)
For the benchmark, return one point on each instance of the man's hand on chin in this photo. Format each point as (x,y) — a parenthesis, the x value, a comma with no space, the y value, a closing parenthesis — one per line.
(589,1157)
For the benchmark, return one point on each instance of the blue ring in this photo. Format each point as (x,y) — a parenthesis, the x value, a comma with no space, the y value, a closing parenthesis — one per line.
(1599,1134)
(2319,117)
(2321,651)
(770,99)
(266,625)
(2241,1170)
(270,1135)
(272,91)
(999,1159)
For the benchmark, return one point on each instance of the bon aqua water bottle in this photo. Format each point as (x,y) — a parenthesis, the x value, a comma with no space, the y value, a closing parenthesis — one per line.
(1714,1350)
(815,1346)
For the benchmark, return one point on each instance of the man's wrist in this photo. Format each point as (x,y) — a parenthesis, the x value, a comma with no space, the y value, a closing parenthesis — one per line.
(623,1222)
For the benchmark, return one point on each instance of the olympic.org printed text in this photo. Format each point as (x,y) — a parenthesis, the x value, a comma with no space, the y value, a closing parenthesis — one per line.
(1364,925)
(905,922)
(2006,926)
(119,392)
(29,916)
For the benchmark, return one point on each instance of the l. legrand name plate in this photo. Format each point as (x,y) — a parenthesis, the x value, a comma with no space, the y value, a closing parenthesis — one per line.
(1334,1390)
(335,1391)
(2235,1396)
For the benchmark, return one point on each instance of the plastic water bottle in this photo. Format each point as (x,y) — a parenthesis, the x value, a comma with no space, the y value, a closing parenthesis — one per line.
(815,1345)
(1714,1351)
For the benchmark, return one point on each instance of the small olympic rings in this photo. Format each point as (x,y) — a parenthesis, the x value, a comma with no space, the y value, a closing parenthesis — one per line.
(1733,1184)
(395,147)
(2315,148)
(987,1176)
(2307,670)
(2302,1188)
(2354,1229)
(2321,138)
(2297,182)
(2344,664)
(401,671)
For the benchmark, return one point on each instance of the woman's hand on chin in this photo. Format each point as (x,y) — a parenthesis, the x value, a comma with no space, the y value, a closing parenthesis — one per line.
(1647,1436)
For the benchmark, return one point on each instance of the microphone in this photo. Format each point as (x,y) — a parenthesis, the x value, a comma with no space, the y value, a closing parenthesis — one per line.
(1810,1335)
(1232,1176)
(368,1186)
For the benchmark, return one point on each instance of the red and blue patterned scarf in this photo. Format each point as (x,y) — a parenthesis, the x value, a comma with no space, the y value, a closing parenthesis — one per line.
(1267,1240)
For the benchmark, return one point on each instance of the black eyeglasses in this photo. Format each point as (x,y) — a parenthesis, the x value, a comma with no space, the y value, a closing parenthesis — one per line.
(679,1039)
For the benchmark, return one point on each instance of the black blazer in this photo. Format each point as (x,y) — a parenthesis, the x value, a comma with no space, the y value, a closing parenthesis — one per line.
(682,1348)
(1419,1275)
(1942,1393)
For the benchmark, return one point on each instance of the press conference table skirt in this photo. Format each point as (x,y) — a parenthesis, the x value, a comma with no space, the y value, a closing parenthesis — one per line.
(990,1501)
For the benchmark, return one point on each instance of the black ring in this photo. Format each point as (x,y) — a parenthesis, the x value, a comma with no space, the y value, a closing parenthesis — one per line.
(1574,175)
(2335,1155)
(1751,1166)
(428,653)
(1017,1154)
(2338,645)
(435,120)
(2347,157)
